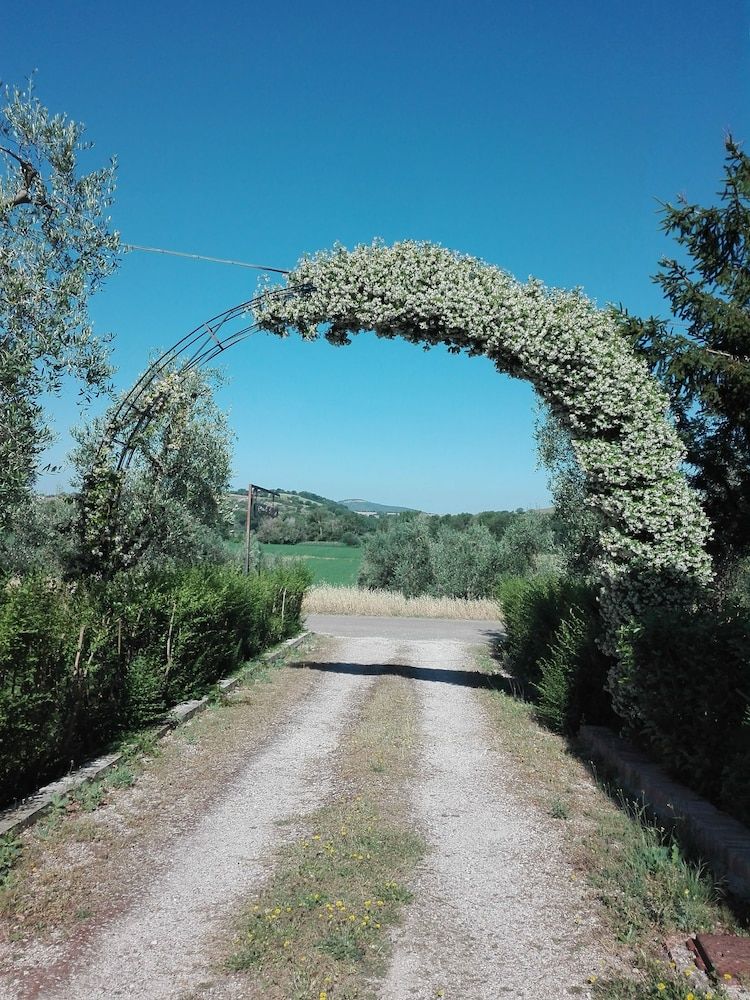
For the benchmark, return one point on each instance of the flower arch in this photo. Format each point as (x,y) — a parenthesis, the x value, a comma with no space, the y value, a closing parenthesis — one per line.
(652,544)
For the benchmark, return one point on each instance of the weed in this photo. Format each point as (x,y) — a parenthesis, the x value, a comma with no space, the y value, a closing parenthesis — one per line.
(392,892)
(141,744)
(559,809)
(645,880)
(343,944)
(655,979)
(53,818)
(90,795)
(10,852)
(122,776)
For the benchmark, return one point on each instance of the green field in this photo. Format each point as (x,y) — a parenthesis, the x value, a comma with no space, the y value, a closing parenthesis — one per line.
(330,562)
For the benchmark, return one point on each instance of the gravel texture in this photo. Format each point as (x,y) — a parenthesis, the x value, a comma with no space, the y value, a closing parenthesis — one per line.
(497,911)
(406,629)
(161,947)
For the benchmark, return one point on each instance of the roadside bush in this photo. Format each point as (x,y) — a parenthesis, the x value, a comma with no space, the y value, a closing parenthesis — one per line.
(80,665)
(532,610)
(553,627)
(691,676)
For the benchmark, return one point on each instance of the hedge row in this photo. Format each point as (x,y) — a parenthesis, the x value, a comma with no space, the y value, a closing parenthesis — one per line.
(80,665)
(690,677)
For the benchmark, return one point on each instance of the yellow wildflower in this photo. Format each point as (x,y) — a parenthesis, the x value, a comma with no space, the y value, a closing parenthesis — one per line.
(661,987)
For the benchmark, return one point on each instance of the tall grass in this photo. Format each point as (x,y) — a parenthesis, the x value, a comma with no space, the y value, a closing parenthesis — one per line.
(329,600)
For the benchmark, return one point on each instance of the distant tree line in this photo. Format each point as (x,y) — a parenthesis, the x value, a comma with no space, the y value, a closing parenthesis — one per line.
(458,555)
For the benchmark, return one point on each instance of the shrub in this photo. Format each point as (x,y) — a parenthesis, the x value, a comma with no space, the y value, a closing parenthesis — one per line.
(532,611)
(573,674)
(691,677)
(552,648)
(79,665)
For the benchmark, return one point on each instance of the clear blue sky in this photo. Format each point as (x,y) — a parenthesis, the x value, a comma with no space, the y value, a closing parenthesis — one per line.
(536,135)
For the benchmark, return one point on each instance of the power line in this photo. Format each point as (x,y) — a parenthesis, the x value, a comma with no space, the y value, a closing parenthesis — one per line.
(198,256)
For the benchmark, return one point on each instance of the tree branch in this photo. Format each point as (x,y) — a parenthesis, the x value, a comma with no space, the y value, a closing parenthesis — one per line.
(31,176)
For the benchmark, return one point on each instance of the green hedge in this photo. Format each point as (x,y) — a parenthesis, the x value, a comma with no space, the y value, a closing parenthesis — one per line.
(78,665)
(553,626)
(691,675)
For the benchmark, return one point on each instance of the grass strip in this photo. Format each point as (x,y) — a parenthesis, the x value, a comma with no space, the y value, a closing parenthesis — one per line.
(320,928)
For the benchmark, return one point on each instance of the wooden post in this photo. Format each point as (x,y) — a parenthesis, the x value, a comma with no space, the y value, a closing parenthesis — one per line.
(247,526)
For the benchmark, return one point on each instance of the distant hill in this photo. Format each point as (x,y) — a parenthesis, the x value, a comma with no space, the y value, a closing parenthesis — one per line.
(290,501)
(369,507)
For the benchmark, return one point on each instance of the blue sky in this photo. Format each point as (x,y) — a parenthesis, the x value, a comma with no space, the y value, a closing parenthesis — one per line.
(536,135)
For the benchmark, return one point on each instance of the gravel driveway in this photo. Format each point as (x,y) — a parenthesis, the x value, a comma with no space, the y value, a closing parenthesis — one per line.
(495,912)
(407,629)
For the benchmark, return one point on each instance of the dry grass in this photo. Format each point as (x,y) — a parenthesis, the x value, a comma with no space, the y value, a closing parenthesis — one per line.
(327,600)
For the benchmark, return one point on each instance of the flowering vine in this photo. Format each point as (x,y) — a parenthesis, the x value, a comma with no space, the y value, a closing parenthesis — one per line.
(652,544)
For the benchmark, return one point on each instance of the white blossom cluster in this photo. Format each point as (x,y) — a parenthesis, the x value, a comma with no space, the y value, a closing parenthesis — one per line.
(652,545)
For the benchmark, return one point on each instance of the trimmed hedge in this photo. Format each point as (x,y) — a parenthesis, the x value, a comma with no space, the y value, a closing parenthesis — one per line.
(689,677)
(552,648)
(81,664)
(692,675)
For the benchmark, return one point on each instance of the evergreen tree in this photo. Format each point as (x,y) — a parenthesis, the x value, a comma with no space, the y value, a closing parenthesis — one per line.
(703,357)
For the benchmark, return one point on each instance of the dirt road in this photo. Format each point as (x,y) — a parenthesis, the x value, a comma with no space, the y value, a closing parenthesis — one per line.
(495,910)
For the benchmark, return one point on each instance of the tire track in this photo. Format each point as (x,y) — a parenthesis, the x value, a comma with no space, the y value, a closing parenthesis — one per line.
(160,948)
(496,912)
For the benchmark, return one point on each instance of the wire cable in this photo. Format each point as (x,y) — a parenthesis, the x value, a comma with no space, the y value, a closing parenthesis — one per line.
(198,256)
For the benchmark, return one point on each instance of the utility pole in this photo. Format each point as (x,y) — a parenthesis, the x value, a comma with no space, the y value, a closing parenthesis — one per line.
(250,498)
(270,510)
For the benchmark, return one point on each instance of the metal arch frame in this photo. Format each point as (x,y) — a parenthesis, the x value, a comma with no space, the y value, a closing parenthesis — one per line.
(120,438)
(199,347)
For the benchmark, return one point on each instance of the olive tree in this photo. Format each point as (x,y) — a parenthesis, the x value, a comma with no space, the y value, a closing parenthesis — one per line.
(173,504)
(56,247)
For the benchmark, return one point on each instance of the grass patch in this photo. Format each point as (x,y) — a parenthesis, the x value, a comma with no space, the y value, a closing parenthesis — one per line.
(10,852)
(656,980)
(329,562)
(319,929)
(645,880)
(340,600)
(649,886)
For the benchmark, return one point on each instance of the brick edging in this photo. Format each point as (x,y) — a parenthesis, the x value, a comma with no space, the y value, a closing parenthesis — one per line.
(25,813)
(722,841)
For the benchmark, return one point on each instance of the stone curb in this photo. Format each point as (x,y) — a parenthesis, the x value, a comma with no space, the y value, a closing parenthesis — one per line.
(721,840)
(29,810)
